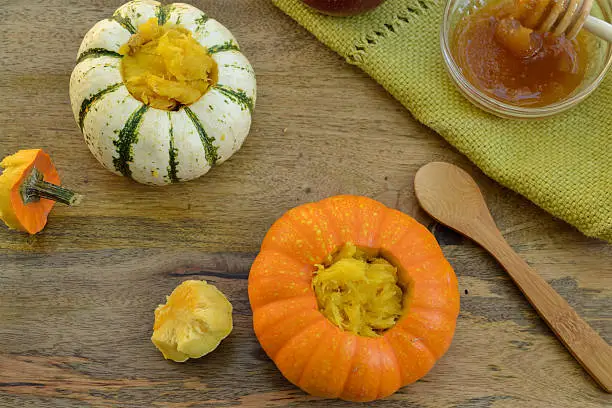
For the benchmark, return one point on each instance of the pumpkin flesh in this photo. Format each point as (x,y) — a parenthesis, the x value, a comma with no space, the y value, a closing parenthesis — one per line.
(192,323)
(165,67)
(359,293)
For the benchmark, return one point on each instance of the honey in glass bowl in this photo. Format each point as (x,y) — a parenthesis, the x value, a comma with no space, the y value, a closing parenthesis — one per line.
(514,64)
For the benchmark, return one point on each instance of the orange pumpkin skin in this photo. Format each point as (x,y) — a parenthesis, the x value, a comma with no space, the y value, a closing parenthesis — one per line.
(312,352)
(31,217)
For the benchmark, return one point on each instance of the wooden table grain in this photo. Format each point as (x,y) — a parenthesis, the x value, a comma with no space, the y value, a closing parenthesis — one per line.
(77,300)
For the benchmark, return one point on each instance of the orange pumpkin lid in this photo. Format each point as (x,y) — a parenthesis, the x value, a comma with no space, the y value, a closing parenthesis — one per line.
(29,188)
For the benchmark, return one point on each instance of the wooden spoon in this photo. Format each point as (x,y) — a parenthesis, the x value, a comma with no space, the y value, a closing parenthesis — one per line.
(562,17)
(452,197)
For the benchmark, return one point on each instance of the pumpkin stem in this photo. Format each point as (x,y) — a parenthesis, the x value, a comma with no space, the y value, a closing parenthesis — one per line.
(35,188)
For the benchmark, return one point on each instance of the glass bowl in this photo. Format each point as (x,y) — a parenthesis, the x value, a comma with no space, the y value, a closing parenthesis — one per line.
(598,65)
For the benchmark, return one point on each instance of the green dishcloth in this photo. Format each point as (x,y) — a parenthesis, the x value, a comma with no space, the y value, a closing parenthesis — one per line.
(563,164)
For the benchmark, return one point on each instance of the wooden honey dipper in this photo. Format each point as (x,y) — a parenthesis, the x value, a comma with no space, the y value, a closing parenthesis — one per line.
(562,17)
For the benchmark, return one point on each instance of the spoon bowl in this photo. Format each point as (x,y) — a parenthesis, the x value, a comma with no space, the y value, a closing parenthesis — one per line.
(454,188)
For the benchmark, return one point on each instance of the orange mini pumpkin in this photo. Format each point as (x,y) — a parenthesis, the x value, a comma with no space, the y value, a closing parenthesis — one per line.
(311,351)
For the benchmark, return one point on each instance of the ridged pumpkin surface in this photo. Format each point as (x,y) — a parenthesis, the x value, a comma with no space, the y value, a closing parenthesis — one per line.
(161,92)
(309,349)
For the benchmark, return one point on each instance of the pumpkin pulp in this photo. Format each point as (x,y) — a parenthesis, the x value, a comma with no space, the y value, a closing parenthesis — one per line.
(192,322)
(358,292)
(165,67)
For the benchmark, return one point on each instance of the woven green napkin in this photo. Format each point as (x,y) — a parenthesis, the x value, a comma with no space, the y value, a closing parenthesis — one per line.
(563,164)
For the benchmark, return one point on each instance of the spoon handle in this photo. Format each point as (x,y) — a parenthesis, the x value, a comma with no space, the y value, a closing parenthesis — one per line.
(599,27)
(591,351)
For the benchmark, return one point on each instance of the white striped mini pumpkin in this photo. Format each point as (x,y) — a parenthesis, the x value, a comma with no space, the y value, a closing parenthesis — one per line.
(154,146)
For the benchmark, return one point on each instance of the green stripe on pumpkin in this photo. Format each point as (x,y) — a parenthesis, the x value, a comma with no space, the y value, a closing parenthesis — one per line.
(173,153)
(201,21)
(97,52)
(239,97)
(210,150)
(87,103)
(229,45)
(127,137)
(163,13)
(125,23)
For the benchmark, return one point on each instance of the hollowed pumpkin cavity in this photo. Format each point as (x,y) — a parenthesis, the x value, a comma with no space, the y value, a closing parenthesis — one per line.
(359,293)
(165,67)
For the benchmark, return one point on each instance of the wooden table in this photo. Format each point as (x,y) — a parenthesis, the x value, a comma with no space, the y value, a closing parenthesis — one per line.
(77,300)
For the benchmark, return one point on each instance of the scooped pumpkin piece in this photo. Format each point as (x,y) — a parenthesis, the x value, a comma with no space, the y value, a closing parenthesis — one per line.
(193,322)
(29,188)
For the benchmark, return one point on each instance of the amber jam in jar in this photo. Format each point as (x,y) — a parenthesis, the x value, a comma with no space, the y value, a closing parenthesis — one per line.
(514,64)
